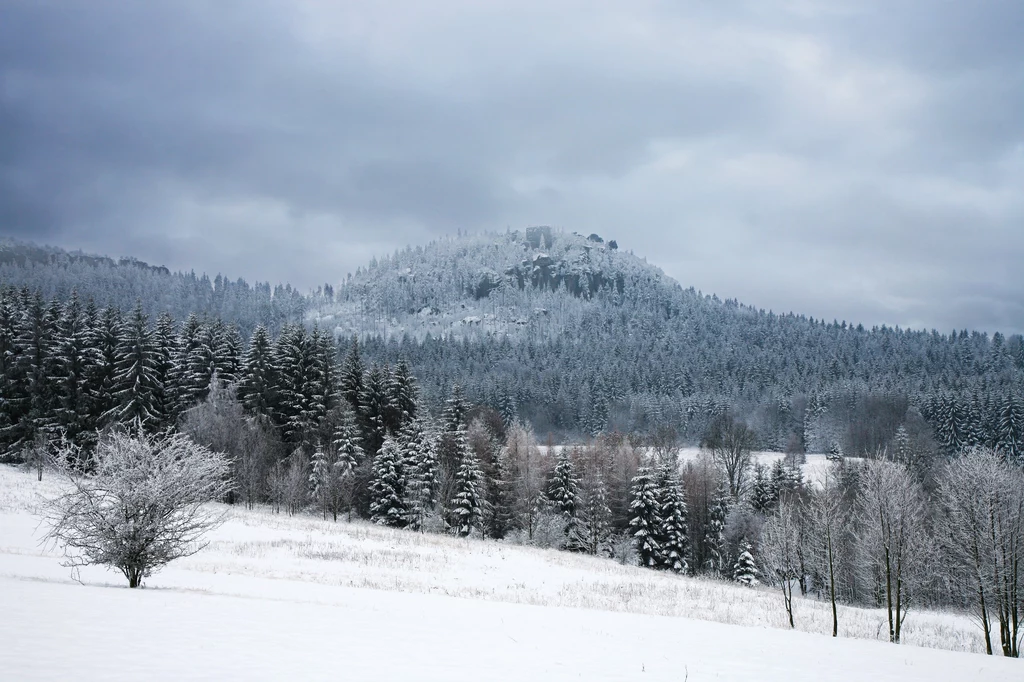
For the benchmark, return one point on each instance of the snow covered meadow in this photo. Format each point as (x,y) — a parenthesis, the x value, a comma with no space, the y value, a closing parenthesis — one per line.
(277,596)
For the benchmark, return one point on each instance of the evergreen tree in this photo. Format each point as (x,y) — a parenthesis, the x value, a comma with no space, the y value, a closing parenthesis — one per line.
(387,487)
(227,353)
(73,359)
(592,529)
(646,517)
(298,401)
(346,441)
(1010,439)
(164,348)
(136,386)
(202,360)
(326,372)
(322,481)
(744,570)
(35,337)
(402,397)
(374,403)
(352,378)
(500,516)
(763,490)
(256,383)
(420,461)
(106,339)
(563,492)
(13,394)
(455,410)
(673,542)
(714,538)
(185,384)
(466,504)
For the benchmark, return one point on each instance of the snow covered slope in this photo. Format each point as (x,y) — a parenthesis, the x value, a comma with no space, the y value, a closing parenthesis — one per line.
(277,597)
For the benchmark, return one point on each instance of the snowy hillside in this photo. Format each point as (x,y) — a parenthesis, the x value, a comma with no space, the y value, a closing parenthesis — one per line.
(577,337)
(276,597)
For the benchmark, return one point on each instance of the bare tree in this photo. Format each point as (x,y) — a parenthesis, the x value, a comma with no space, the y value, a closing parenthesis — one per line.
(827,521)
(893,539)
(296,481)
(144,505)
(780,547)
(528,474)
(250,443)
(259,447)
(983,537)
(731,444)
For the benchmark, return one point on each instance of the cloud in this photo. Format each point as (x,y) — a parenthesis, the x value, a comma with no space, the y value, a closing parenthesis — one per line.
(858,160)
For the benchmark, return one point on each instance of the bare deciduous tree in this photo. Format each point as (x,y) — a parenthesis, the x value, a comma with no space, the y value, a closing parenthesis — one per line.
(528,474)
(144,505)
(827,521)
(780,551)
(893,539)
(983,536)
(731,444)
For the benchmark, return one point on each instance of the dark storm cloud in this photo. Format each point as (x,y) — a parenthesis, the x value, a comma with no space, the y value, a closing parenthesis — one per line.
(860,161)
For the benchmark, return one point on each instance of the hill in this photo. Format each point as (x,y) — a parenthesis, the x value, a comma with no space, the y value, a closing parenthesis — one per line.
(578,336)
(108,282)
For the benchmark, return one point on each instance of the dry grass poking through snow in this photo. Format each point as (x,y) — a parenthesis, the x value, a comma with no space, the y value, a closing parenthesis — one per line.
(262,544)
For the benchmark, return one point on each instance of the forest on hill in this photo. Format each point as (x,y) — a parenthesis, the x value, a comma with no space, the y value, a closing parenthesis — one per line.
(577,337)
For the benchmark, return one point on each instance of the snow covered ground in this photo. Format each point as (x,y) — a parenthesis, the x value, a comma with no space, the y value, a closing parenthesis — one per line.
(277,597)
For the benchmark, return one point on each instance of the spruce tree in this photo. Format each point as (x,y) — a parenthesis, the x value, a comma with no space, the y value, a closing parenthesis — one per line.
(420,461)
(763,491)
(106,339)
(402,397)
(202,360)
(73,359)
(256,381)
(645,521)
(227,353)
(563,492)
(322,481)
(467,502)
(184,383)
(326,373)
(298,403)
(164,348)
(673,542)
(745,570)
(374,404)
(136,386)
(387,487)
(592,529)
(500,514)
(352,377)
(13,396)
(455,410)
(35,337)
(346,441)
(1010,439)
(714,538)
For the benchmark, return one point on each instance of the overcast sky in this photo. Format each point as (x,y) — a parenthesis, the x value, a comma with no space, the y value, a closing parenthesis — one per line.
(856,160)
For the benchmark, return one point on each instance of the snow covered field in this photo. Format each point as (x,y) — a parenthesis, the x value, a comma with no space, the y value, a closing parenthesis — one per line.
(278,597)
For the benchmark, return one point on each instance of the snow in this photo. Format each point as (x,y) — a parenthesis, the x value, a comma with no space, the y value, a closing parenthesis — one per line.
(814,468)
(277,597)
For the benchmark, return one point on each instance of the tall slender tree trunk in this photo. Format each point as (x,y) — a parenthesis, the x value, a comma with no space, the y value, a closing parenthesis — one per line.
(832,583)
(888,596)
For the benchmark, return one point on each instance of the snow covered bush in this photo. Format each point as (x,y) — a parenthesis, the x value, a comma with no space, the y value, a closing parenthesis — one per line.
(143,506)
